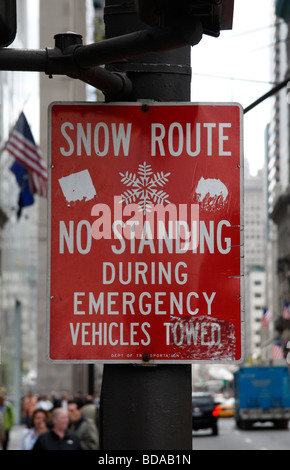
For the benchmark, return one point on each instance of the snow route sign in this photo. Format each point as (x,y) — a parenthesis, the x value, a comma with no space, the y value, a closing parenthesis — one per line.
(145,232)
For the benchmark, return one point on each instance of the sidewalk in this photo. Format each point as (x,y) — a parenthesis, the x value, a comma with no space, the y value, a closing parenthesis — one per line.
(15,436)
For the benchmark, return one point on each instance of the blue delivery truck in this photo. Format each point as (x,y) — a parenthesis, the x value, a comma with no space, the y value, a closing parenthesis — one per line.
(262,394)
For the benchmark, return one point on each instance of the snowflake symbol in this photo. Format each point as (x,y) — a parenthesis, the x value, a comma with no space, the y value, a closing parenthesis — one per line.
(144,187)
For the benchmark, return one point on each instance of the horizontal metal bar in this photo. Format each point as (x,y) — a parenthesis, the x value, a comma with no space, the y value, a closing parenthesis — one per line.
(73,59)
(54,62)
(111,83)
(137,43)
(23,60)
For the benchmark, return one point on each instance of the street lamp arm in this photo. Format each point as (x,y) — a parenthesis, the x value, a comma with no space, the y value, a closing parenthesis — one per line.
(25,60)
(136,44)
(270,93)
(70,57)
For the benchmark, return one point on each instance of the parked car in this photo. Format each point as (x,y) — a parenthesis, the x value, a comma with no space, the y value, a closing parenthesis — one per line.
(204,412)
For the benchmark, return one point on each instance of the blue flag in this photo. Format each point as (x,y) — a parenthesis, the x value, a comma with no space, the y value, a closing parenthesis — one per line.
(26,197)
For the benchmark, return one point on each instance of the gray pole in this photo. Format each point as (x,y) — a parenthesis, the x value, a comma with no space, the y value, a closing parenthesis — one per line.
(147,407)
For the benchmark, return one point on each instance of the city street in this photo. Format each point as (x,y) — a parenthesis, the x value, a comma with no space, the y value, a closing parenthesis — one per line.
(263,437)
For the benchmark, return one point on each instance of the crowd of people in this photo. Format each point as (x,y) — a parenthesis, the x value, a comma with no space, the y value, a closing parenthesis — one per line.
(65,423)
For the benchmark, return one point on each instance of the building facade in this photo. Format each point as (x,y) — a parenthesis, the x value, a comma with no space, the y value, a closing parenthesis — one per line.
(18,235)
(54,17)
(278,187)
(254,261)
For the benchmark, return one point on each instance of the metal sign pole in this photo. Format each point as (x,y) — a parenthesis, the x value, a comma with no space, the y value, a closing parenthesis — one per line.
(147,407)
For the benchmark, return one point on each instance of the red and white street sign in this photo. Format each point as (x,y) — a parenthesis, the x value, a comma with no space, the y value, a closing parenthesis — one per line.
(145,243)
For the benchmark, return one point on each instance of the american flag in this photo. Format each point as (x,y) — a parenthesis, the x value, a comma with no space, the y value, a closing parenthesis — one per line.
(267,317)
(286,311)
(277,350)
(22,147)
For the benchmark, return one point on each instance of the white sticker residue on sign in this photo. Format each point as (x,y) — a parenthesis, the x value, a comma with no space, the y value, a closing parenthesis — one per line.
(78,186)
(212,187)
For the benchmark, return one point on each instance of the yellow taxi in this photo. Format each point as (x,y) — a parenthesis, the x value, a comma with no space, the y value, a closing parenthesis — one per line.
(227,408)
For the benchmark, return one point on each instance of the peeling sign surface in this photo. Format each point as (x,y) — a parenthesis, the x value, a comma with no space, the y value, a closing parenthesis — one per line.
(211,193)
(77,186)
(145,233)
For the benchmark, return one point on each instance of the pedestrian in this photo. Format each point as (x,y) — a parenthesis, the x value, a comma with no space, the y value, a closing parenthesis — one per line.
(44,403)
(89,408)
(59,437)
(64,400)
(29,404)
(85,428)
(2,430)
(37,426)
(55,400)
(8,419)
